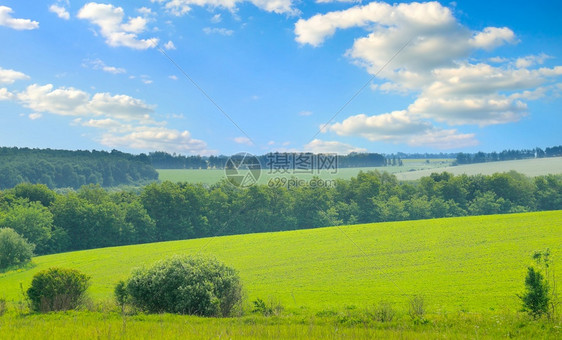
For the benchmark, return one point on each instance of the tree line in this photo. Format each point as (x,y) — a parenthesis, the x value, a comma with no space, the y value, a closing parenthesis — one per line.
(73,169)
(92,217)
(164,160)
(508,155)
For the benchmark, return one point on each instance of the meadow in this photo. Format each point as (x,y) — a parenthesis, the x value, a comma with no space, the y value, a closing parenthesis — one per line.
(471,264)
(211,176)
(412,169)
(468,270)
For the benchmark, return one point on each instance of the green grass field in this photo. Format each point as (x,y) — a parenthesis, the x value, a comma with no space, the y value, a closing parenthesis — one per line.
(412,169)
(468,269)
(471,264)
(212,176)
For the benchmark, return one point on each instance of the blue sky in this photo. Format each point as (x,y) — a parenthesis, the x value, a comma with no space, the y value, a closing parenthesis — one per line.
(321,76)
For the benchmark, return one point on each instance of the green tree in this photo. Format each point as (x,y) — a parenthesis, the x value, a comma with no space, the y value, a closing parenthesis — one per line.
(35,193)
(14,249)
(536,296)
(31,220)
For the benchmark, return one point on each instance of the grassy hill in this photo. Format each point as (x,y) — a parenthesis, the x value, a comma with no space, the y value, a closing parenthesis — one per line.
(473,264)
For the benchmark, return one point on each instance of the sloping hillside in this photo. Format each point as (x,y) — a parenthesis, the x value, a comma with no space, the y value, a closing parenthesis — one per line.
(469,263)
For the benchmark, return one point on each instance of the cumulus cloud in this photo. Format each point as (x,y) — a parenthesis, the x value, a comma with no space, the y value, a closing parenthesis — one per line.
(68,101)
(110,20)
(5,94)
(181,7)
(62,101)
(157,138)
(321,146)
(170,45)
(60,11)
(98,64)
(399,127)
(492,37)
(124,121)
(10,76)
(437,66)
(7,20)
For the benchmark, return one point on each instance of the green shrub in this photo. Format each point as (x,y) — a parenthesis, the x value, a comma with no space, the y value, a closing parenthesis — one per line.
(384,312)
(272,307)
(186,285)
(417,309)
(121,295)
(536,297)
(14,249)
(56,289)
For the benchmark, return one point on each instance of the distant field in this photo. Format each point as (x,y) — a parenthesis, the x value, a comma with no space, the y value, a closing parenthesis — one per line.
(471,264)
(529,167)
(412,169)
(213,176)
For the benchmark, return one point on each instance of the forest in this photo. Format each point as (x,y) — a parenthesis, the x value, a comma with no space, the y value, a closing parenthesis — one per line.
(508,155)
(73,169)
(93,217)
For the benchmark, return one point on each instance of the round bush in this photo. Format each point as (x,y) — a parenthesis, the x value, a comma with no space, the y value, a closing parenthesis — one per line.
(56,289)
(186,285)
(14,249)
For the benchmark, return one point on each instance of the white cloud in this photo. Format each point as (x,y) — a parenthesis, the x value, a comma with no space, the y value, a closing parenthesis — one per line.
(215,30)
(17,24)
(321,146)
(402,127)
(73,102)
(60,11)
(107,124)
(10,76)
(531,60)
(305,113)
(157,138)
(120,106)
(492,37)
(5,94)
(436,66)
(243,140)
(173,77)
(389,126)
(216,18)
(98,64)
(62,101)
(145,11)
(181,7)
(116,32)
(124,121)
(170,45)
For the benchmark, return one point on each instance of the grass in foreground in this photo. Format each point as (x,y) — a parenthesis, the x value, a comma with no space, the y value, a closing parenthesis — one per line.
(345,325)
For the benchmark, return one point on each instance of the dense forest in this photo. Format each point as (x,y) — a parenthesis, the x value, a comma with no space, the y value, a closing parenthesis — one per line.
(73,169)
(508,155)
(93,217)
